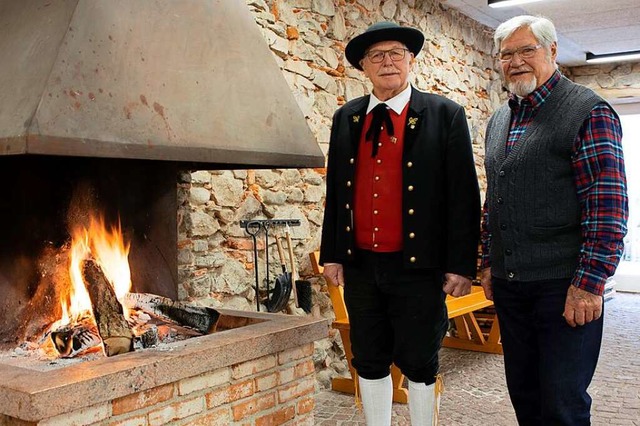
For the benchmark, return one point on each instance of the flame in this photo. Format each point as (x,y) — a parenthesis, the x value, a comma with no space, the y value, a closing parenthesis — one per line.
(107,247)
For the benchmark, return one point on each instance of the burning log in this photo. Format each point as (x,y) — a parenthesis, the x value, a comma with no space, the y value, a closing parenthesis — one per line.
(202,319)
(72,340)
(147,336)
(112,325)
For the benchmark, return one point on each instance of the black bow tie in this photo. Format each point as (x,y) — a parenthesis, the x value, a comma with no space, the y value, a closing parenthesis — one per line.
(380,117)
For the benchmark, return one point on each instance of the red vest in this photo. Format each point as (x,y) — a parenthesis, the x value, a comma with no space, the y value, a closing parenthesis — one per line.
(378,189)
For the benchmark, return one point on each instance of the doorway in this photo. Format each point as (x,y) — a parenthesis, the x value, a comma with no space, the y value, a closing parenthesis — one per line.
(627,276)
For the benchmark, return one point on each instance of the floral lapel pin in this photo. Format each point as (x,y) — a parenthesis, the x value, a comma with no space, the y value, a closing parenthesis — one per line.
(356,118)
(413,121)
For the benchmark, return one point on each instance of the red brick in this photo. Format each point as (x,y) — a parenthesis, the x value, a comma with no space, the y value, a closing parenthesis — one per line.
(217,397)
(296,390)
(268,381)
(305,368)
(204,381)
(143,399)
(286,375)
(140,420)
(277,417)
(220,417)
(306,405)
(246,408)
(241,390)
(252,367)
(179,410)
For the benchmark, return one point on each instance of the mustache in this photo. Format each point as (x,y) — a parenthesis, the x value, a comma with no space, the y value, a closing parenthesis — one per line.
(519,70)
(390,69)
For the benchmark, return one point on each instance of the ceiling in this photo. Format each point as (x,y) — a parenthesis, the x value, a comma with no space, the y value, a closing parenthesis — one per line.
(596,26)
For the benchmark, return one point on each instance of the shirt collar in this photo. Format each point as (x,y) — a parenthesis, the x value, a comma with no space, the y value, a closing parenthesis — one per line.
(397,103)
(536,98)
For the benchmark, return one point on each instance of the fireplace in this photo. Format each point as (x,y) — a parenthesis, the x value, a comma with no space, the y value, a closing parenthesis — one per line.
(111,100)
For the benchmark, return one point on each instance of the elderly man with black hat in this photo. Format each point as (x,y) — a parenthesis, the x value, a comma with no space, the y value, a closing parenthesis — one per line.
(401,223)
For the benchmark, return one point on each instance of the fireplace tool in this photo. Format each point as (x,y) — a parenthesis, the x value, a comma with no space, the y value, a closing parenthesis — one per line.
(253,228)
(283,286)
(301,288)
(277,297)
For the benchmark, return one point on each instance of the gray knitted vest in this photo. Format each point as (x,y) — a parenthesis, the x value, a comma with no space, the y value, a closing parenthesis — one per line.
(534,214)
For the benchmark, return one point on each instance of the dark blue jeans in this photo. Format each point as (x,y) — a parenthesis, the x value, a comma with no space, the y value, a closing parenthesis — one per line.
(396,315)
(548,364)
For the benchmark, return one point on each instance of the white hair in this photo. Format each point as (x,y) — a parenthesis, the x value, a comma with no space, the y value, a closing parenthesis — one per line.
(543,29)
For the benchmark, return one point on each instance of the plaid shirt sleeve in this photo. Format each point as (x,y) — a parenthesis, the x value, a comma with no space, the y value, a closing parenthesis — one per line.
(600,180)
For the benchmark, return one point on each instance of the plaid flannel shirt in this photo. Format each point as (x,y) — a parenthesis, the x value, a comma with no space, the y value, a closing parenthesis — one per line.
(599,176)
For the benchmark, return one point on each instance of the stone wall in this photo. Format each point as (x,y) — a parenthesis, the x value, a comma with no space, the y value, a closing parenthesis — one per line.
(307,38)
(617,82)
(621,75)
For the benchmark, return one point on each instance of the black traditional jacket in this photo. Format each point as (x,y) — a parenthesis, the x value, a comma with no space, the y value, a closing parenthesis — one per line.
(440,199)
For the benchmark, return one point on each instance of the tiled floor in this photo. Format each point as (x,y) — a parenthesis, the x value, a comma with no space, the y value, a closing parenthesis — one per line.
(476,394)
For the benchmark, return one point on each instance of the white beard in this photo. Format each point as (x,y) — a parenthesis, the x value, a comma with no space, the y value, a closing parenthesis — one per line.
(522,88)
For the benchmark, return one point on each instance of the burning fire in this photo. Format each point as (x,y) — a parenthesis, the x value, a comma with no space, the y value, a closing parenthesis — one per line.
(107,247)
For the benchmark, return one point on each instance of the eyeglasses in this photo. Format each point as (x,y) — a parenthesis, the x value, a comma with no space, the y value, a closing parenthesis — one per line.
(524,52)
(377,56)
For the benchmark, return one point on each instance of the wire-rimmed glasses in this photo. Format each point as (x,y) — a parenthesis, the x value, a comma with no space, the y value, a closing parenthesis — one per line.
(396,54)
(525,52)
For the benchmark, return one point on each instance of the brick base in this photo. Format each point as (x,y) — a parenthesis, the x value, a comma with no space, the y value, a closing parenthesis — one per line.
(270,390)
(256,370)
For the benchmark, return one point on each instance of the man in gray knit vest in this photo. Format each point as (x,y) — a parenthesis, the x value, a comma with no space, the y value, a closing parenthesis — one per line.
(553,222)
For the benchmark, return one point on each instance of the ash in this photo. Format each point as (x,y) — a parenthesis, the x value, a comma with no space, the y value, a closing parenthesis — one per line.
(32,356)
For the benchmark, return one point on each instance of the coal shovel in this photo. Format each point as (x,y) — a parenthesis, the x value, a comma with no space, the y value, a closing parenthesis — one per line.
(282,289)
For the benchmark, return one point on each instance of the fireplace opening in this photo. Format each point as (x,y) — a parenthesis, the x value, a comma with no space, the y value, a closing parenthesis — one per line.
(77,224)
(50,199)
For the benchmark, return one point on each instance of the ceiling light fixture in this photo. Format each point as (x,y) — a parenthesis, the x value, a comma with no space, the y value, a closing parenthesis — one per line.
(508,3)
(613,57)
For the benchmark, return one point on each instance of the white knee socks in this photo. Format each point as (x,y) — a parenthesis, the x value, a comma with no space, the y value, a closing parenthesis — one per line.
(424,402)
(376,400)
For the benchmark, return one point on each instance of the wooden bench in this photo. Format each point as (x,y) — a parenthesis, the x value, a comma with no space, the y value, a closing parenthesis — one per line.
(462,310)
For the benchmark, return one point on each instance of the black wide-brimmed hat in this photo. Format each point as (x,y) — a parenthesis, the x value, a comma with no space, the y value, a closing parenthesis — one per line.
(383,31)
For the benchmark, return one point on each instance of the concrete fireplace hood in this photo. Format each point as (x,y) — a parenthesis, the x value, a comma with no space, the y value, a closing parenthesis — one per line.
(186,81)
